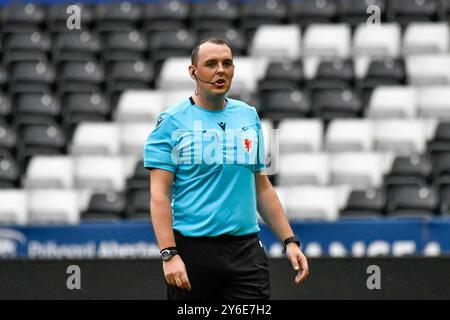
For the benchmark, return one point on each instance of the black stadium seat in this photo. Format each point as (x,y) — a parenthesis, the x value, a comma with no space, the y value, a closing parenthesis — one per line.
(140,178)
(3,77)
(282,75)
(354,12)
(11,57)
(278,105)
(235,37)
(163,44)
(9,170)
(124,11)
(406,11)
(306,12)
(39,104)
(258,12)
(8,137)
(412,201)
(5,106)
(37,72)
(138,203)
(22,17)
(77,42)
(83,72)
(168,10)
(85,106)
(367,203)
(215,11)
(27,41)
(334,75)
(329,104)
(105,206)
(126,41)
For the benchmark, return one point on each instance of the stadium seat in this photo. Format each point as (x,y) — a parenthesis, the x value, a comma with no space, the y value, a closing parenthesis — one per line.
(140,178)
(444,205)
(401,136)
(8,136)
(329,104)
(349,135)
(54,206)
(50,172)
(3,77)
(96,138)
(133,137)
(76,42)
(304,169)
(100,173)
(105,206)
(166,43)
(5,106)
(254,13)
(283,75)
(166,10)
(393,102)
(39,104)
(365,203)
(277,42)
(278,105)
(235,37)
(9,170)
(355,12)
(140,105)
(327,40)
(428,70)
(83,72)
(138,204)
(311,203)
(301,135)
(307,12)
(422,38)
(335,74)
(412,200)
(406,11)
(22,16)
(57,17)
(217,12)
(132,41)
(27,41)
(171,78)
(126,74)
(38,72)
(85,106)
(434,102)
(114,12)
(13,207)
(360,170)
(382,41)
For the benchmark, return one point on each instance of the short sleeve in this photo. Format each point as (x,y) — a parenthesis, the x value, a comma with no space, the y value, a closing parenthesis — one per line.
(261,157)
(159,145)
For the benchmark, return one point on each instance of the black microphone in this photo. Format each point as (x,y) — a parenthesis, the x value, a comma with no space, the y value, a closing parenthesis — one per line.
(197,78)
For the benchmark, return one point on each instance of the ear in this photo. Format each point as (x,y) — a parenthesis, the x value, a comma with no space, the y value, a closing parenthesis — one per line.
(192,72)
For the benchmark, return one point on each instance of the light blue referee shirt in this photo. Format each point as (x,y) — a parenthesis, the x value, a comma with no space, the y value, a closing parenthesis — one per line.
(213,155)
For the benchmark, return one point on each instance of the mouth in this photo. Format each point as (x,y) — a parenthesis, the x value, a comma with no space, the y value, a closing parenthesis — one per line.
(220,82)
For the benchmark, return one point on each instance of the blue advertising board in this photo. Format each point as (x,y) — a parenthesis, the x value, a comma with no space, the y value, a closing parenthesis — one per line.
(344,238)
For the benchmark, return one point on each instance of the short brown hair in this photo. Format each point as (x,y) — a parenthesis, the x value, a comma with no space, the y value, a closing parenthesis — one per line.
(194,54)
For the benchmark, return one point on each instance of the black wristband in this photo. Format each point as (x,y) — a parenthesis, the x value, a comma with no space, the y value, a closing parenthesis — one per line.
(293,239)
(168,248)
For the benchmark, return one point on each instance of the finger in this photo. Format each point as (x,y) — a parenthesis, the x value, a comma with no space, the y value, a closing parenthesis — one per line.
(301,276)
(179,283)
(294,263)
(170,281)
(185,280)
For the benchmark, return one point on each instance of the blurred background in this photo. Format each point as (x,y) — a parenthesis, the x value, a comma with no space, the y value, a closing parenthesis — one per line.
(359,91)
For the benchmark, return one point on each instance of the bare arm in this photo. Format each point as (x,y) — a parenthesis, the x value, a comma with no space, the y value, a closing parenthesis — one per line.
(270,209)
(161,215)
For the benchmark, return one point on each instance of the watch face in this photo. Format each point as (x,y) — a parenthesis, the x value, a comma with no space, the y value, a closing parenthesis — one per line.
(165,255)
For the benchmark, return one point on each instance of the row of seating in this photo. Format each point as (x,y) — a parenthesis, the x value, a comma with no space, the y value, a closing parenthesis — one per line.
(249,12)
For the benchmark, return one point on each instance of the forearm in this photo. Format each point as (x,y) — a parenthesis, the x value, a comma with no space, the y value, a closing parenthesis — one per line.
(270,209)
(161,215)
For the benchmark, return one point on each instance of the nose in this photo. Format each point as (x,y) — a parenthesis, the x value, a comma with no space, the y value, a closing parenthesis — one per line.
(220,68)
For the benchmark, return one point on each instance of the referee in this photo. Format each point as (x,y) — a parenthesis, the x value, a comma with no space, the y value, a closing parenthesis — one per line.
(206,157)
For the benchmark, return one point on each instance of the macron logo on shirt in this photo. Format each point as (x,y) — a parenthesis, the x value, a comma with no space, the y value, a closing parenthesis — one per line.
(222,125)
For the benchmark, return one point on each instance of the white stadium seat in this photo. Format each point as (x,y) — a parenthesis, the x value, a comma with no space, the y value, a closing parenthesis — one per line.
(393,102)
(96,138)
(349,135)
(13,207)
(267,129)
(133,137)
(277,42)
(140,105)
(101,173)
(304,169)
(426,38)
(434,102)
(380,41)
(428,70)
(311,203)
(45,172)
(54,206)
(401,136)
(359,170)
(327,40)
(174,75)
(298,135)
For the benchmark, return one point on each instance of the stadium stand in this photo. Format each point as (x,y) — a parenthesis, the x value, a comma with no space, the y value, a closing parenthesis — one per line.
(362,112)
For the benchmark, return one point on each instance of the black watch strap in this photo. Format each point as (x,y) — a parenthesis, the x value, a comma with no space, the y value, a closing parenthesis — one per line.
(167,253)
(293,239)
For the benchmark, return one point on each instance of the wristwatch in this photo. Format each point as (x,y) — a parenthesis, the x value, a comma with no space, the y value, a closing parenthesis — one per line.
(168,253)
(293,239)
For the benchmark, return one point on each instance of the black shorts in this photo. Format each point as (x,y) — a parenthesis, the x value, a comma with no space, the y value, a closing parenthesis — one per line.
(223,268)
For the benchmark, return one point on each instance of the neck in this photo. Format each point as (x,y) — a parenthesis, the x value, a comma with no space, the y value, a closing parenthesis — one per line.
(211,102)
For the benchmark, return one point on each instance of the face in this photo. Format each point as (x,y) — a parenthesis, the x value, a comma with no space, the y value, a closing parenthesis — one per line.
(214,64)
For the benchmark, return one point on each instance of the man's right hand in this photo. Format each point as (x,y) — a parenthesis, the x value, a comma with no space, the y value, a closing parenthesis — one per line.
(175,273)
